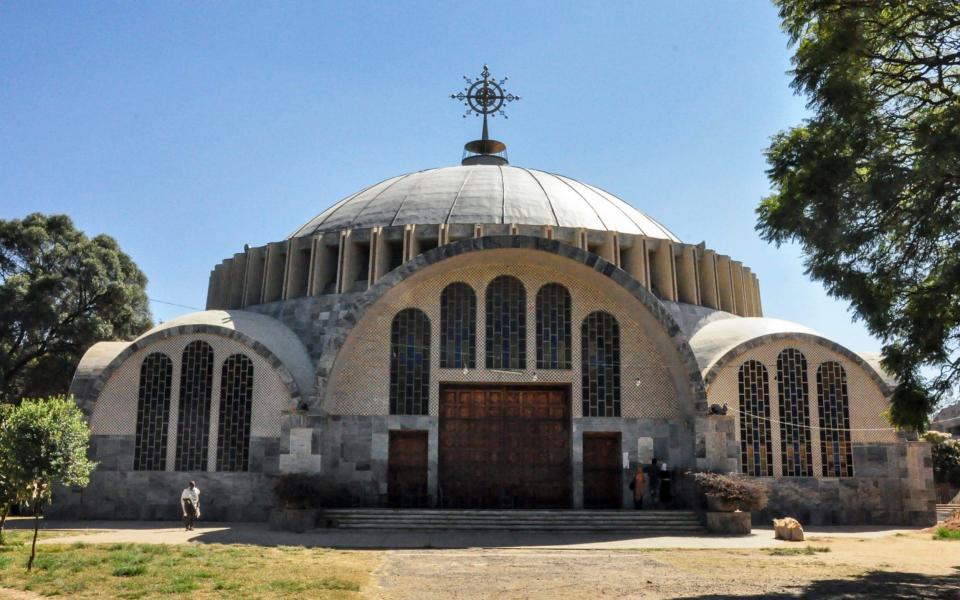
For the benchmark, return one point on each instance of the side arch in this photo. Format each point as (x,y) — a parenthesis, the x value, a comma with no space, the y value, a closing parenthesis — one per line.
(716,366)
(87,393)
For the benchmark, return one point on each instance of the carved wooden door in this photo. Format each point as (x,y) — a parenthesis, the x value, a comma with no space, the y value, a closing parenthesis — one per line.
(602,474)
(505,447)
(407,469)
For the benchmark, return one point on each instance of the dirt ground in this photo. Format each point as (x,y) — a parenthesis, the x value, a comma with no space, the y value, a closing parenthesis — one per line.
(903,566)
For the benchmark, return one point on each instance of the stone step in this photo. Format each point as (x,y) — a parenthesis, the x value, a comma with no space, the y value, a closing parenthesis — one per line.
(543,520)
(663,522)
(525,527)
(507,513)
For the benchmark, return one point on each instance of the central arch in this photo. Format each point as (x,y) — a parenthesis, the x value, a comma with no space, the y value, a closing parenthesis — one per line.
(358,307)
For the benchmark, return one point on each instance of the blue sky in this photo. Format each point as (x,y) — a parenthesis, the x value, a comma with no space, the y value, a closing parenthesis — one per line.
(188,129)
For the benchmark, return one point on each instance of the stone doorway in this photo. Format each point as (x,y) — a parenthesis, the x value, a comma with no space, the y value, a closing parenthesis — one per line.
(407,469)
(504,447)
(602,474)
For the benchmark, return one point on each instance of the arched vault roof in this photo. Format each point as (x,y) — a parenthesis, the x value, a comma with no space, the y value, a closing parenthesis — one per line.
(720,342)
(265,335)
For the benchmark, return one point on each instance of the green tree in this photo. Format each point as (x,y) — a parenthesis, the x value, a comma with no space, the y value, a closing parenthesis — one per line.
(8,492)
(60,292)
(869,185)
(946,457)
(44,442)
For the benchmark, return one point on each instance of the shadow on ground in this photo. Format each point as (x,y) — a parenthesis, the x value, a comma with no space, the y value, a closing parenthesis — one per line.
(873,585)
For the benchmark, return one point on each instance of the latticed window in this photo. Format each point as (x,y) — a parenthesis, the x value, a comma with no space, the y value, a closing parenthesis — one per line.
(506,326)
(795,451)
(458,327)
(553,327)
(836,454)
(600,362)
(236,398)
(756,447)
(153,413)
(410,363)
(193,426)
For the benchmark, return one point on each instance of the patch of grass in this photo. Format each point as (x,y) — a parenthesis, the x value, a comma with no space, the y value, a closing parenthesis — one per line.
(946,534)
(134,571)
(180,584)
(801,551)
(129,570)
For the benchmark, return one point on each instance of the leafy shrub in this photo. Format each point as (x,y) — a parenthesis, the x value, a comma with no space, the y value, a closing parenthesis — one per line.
(741,491)
(297,490)
(946,457)
(945,533)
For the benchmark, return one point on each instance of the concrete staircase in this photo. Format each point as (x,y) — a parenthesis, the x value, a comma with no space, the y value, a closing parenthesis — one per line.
(662,522)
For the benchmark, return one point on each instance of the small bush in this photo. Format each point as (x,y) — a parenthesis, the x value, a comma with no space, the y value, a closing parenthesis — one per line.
(298,491)
(945,533)
(745,493)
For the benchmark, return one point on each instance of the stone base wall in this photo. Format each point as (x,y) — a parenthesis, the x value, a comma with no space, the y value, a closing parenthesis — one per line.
(893,485)
(354,451)
(155,496)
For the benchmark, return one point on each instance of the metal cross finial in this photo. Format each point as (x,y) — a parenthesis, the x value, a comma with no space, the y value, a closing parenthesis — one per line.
(485,96)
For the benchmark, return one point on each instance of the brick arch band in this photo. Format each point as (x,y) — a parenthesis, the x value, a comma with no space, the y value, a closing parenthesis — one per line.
(714,369)
(86,403)
(358,306)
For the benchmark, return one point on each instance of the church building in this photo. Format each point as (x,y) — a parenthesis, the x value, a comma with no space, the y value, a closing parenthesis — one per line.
(487,336)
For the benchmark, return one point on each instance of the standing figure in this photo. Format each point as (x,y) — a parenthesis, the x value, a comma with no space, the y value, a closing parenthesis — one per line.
(638,485)
(653,480)
(190,503)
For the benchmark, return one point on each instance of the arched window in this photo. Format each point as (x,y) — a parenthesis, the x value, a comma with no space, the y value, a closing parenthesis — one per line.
(236,397)
(193,424)
(795,451)
(458,327)
(410,363)
(836,455)
(600,365)
(506,330)
(756,448)
(153,413)
(553,327)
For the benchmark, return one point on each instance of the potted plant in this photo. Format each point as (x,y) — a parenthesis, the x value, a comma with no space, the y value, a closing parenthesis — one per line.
(729,493)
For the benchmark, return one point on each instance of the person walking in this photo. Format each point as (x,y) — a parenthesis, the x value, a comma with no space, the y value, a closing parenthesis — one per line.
(638,485)
(653,480)
(190,503)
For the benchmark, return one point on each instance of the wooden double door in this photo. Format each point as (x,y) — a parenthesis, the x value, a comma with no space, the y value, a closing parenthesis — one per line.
(504,447)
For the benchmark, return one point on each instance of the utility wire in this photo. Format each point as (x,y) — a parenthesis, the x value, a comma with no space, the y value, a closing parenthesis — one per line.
(806,426)
(173,304)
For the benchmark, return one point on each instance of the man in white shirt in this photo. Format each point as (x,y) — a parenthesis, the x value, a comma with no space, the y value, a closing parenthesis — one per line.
(190,503)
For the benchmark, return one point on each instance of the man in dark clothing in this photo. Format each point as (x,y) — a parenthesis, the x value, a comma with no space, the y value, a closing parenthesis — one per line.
(653,482)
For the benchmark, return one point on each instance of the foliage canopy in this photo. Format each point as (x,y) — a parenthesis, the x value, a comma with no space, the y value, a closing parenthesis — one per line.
(44,442)
(869,185)
(60,292)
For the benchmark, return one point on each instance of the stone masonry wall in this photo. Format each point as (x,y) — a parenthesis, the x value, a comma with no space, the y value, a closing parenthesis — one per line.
(893,486)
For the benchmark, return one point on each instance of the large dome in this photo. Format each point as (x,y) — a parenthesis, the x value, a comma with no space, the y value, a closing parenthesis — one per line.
(485,194)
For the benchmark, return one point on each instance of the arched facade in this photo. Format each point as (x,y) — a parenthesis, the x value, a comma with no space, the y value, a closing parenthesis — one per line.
(414,356)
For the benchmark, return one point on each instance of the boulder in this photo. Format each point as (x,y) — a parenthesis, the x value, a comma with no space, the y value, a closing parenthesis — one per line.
(788,529)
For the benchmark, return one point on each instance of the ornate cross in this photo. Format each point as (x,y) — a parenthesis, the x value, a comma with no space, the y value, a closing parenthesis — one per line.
(485,96)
